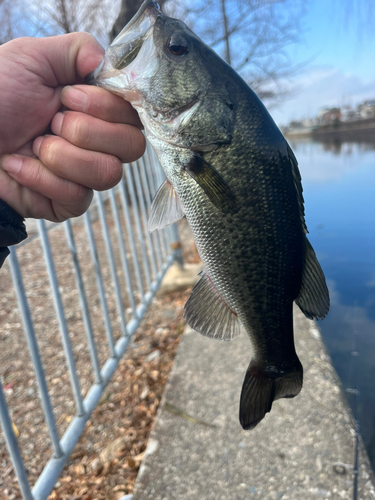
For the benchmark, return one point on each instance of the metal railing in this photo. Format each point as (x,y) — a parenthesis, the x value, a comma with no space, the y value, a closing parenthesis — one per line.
(128,265)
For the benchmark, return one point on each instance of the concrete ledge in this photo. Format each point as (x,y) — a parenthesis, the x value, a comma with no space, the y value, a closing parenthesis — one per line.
(302,450)
(178,279)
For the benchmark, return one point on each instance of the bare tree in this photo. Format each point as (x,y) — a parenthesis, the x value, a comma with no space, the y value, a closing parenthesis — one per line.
(55,17)
(65,16)
(357,16)
(9,20)
(252,35)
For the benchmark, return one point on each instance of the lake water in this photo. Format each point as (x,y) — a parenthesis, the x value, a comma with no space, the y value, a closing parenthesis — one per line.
(339,191)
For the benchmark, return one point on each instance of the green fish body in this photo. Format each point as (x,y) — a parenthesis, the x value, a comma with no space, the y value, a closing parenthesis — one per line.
(230,171)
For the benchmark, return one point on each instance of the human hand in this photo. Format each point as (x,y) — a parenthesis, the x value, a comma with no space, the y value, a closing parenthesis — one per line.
(52,176)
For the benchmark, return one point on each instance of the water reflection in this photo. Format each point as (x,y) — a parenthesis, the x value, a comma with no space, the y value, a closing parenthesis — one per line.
(339,191)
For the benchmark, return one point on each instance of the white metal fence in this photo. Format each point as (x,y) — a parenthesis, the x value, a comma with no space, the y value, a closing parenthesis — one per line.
(101,277)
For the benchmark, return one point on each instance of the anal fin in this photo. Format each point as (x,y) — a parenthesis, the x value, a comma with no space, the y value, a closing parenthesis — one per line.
(313,298)
(207,313)
(166,208)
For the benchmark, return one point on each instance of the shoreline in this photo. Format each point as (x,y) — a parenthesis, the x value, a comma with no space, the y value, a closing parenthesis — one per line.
(353,130)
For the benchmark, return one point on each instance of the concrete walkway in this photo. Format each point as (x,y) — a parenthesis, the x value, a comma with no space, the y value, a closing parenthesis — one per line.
(296,453)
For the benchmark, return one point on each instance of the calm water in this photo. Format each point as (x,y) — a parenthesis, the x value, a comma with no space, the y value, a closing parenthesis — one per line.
(339,191)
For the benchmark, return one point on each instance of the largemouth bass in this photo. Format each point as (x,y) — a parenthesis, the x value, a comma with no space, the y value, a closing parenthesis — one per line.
(230,171)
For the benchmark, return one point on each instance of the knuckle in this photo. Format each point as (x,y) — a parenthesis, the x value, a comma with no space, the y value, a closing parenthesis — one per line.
(84,37)
(80,39)
(31,173)
(87,37)
(109,172)
(74,209)
(77,130)
(49,151)
(134,144)
(76,193)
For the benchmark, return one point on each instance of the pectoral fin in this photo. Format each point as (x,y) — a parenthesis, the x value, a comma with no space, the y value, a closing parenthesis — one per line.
(313,298)
(211,182)
(166,208)
(207,313)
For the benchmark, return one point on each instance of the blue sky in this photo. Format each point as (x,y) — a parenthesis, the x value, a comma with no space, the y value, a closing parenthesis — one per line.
(342,61)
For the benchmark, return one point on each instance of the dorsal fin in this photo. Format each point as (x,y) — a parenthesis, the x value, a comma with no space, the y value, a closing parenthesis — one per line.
(207,313)
(166,208)
(298,186)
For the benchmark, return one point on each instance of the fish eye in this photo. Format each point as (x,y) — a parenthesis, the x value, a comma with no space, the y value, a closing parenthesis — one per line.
(177,45)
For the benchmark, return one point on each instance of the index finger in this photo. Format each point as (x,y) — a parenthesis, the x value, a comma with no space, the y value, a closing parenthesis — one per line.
(99,103)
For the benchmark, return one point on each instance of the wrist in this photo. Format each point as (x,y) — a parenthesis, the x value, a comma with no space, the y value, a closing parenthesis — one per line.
(12,229)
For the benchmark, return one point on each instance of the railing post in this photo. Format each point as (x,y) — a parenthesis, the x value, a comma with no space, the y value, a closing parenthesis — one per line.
(14,451)
(176,246)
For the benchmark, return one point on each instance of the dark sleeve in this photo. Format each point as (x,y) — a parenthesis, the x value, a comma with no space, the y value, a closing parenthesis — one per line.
(12,229)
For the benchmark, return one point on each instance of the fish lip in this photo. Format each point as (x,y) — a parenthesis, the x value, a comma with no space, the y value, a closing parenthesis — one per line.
(152,7)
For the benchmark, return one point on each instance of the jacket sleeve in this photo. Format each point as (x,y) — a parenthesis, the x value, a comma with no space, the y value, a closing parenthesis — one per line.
(12,229)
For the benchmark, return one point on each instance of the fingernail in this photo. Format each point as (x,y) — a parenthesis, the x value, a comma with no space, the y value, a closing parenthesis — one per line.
(75,98)
(57,123)
(12,163)
(36,145)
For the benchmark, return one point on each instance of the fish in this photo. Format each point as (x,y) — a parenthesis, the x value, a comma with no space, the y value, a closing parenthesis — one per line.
(232,174)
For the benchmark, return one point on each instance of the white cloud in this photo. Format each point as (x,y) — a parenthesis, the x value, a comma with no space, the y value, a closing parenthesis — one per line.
(322,86)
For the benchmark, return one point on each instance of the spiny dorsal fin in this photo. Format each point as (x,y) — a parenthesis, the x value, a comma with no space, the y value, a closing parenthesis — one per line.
(313,298)
(165,208)
(207,313)
(211,182)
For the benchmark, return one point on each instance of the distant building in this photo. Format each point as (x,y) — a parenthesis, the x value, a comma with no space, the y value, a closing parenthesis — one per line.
(366,109)
(329,116)
(332,116)
(309,122)
(347,114)
(295,124)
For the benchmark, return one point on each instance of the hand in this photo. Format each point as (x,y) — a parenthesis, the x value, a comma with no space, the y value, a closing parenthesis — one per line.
(52,176)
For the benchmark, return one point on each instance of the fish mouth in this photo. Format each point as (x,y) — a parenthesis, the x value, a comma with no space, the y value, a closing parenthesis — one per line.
(125,47)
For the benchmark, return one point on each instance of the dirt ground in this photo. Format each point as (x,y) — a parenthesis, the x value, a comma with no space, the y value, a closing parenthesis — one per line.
(105,462)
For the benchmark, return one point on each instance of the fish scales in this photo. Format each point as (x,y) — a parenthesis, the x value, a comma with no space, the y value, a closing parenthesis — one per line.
(232,174)
(232,246)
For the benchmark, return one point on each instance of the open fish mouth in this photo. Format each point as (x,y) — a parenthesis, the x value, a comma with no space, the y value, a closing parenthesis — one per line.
(125,48)
(130,65)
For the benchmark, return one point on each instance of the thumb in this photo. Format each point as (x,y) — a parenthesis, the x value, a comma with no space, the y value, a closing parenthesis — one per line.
(71,57)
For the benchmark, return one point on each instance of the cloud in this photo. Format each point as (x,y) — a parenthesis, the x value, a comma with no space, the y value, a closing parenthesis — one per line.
(322,86)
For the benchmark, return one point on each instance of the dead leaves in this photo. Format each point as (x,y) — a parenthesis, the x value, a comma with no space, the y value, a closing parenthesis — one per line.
(106,464)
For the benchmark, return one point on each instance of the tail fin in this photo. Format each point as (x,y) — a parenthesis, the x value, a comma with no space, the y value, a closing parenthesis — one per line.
(264,384)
